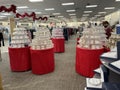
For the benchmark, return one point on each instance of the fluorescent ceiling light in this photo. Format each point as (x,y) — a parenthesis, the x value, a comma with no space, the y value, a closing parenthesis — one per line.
(91,6)
(49,9)
(88,11)
(102,12)
(6,14)
(38,12)
(31,10)
(45,15)
(109,8)
(70,10)
(22,7)
(2,16)
(85,14)
(97,15)
(73,17)
(60,16)
(117,0)
(56,13)
(71,3)
(36,0)
(72,14)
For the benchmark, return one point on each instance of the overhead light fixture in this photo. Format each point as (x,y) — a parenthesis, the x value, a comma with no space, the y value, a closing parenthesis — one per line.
(2,16)
(72,14)
(73,17)
(65,4)
(86,15)
(97,15)
(49,9)
(36,0)
(117,0)
(45,15)
(60,16)
(56,13)
(91,6)
(109,8)
(70,10)
(22,7)
(6,14)
(102,12)
(88,11)
(38,12)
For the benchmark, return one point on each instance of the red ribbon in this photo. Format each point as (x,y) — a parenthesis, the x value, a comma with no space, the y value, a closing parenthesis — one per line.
(12,8)
(33,15)
(41,18)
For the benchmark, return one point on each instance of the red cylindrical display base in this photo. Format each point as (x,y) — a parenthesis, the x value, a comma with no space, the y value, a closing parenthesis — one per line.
(42,61)
(59,45)
(87,61)
(19,59)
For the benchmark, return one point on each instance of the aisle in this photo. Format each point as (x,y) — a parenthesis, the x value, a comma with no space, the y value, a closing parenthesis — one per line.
(63,78)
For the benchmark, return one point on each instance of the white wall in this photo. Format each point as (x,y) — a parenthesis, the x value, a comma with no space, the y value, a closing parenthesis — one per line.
(113,17)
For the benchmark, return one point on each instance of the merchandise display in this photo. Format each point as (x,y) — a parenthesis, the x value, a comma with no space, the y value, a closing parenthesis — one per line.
(19,59)
(59,44)
(42,61)
(109,55)
(115,36)
(87,60)
(116,64)
(58,40)
(93,38)
(20,38)
(94,81)
(113,40)
(42,39)
(57,33)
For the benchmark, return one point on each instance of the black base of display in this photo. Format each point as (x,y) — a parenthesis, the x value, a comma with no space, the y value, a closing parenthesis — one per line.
(111,86)
(94,89)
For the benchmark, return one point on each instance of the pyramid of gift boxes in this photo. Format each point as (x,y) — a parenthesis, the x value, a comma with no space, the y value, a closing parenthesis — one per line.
(57,33)
(93,38)
(42,39)
(20,38)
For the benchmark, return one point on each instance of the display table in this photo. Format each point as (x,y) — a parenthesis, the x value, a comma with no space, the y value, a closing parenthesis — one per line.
(19,59)
(106,62)
(42,61)
(59,45)
(87,60)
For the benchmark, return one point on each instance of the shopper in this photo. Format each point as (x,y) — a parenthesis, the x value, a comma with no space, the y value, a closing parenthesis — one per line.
(1,38)
(107,28)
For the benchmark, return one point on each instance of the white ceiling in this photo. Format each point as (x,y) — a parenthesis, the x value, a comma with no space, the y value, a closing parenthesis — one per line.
(79,6)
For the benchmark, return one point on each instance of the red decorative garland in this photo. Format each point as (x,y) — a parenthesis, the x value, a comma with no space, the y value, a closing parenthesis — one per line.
(33,15)
(41,18)
(26,14)
(12,8)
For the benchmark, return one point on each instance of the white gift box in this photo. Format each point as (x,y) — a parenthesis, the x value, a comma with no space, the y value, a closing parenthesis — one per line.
(38,47)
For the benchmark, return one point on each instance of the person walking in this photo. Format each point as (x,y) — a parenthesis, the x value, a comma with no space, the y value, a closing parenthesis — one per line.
(1,38)
(107,28)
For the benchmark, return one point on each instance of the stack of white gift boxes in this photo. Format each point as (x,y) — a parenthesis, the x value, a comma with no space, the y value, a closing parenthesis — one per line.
(20,38)
(57,33)
(93,38)
(42,39)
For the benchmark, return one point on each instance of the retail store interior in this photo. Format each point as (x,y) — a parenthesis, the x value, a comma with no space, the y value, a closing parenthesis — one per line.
(59,44)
